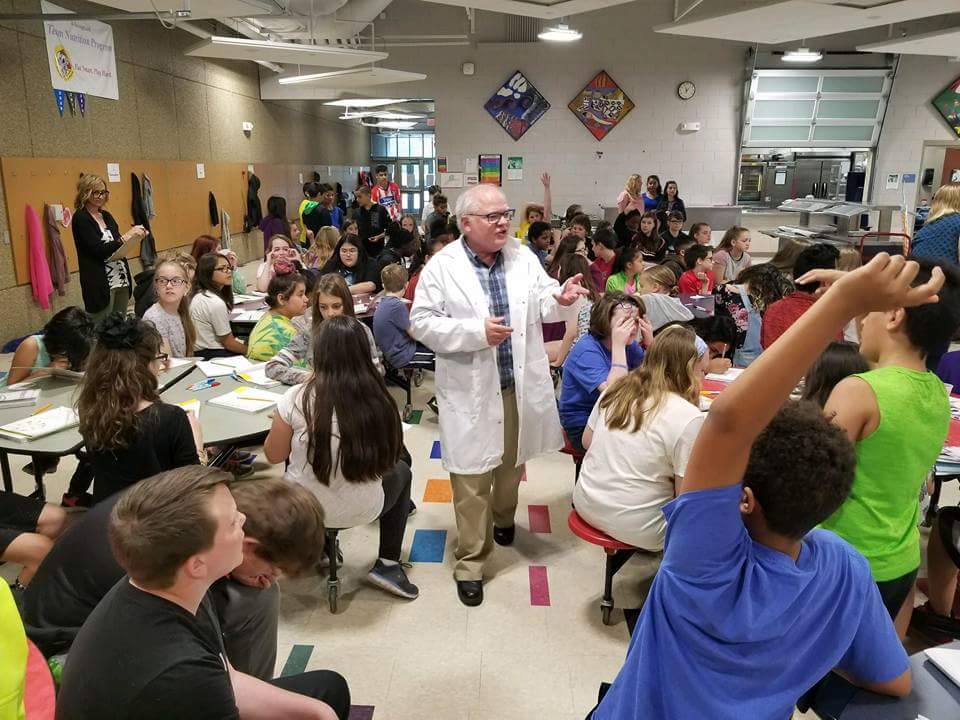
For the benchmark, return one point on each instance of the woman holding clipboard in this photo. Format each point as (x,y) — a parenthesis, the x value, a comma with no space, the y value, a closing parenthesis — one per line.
(105,286)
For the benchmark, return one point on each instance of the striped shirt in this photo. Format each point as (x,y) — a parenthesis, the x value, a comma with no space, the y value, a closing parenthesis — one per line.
(493,280)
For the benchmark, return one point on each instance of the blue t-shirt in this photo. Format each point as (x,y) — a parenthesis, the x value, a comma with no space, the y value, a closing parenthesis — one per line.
(650,203)
(390,322)
(938,239)
(584,371)
(734,629)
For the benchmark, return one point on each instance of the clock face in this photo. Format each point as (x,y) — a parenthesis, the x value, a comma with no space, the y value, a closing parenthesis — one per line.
(686,90)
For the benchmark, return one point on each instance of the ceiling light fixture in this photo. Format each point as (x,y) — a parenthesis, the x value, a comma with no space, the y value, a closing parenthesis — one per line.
(802,55)
(560,33)
(382,114)
(366,102)
(391,124)
(314,77)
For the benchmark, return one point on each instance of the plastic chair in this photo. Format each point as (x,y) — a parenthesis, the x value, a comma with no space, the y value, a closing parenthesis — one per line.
(569,449)
(617,555)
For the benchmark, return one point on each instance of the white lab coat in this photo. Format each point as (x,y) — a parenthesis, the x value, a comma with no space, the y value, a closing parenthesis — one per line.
(448,316)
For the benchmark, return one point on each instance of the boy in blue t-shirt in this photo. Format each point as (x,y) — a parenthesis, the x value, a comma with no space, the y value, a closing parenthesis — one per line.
(391,324)
(751,606)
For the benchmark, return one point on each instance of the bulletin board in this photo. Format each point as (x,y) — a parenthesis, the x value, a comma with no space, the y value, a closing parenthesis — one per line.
(180,199)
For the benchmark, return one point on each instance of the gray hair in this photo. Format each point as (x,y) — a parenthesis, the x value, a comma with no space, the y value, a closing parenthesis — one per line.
(471,201)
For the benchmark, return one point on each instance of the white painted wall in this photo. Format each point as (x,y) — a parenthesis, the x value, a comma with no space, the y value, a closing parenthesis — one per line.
(910,120)
(648,66)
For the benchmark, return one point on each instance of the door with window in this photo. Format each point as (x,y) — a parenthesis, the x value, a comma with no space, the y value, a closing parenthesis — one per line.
(410,158)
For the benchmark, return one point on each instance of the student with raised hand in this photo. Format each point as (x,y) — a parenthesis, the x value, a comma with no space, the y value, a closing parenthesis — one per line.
(64,343)
(606,353)
(744,573)
(639,435)
(897,415)
(341,433)
(286,300)
(170,314)
(129,432)
(210,309)
(331,298)
(533,212)
(153,647)
(283,537)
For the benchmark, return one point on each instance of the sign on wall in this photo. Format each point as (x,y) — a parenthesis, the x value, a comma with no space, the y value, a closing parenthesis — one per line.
(947,104)
(81,55)
(491,169)
(517,105)
(601,105)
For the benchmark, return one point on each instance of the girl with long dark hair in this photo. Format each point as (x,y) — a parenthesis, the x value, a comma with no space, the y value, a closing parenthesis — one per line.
(210,308)
(350,261)
(341,433)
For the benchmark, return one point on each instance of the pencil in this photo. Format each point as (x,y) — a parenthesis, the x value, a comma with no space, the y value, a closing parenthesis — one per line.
(42,409)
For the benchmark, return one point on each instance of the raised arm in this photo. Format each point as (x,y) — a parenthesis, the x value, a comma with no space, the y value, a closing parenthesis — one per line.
(547,198)
(740,413)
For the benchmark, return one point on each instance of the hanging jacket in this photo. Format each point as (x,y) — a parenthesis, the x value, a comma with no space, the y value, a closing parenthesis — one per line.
(148,197)
(214,212)
(254,209)
(59,272)
(148,248)
(39,269)
(225,229)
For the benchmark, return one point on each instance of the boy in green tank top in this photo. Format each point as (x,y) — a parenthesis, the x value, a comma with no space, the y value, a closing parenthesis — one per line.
(898,416)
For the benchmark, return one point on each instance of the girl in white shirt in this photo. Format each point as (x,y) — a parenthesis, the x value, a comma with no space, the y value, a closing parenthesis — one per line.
(341,432)
(638,439)
(210,308)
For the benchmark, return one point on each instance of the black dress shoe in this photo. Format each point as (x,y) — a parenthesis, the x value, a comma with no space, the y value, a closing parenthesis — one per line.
(470,592)
(504,536)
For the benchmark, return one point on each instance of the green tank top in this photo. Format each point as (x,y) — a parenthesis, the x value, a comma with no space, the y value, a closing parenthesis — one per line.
(880,517)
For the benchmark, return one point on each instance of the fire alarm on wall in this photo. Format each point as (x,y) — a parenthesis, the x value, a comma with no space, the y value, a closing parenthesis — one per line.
(468,68)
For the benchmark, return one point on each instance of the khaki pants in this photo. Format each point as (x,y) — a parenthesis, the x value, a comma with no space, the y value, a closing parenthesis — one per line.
(488,499)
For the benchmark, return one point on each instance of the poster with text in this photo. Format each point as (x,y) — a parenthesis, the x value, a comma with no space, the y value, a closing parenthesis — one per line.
(514,168)
(491,169)
(81,55)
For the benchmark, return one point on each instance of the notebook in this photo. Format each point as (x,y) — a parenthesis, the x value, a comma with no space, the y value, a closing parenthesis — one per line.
(234,362)
(247,399)
(727,377)
(248,316)
(256,375)
(37,426)
(18,398)
(192,405)
(947,660)
(212,369)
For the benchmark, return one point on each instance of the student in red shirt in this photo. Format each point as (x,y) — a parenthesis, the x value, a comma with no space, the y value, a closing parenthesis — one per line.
(698,279)
(784,313)
(604,251)
(387,193)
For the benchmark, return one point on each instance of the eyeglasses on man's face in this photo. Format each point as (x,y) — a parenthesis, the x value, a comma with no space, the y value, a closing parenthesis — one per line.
(495,217)
(174,282)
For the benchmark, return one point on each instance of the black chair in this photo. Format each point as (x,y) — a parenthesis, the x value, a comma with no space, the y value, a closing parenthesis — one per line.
(332,550)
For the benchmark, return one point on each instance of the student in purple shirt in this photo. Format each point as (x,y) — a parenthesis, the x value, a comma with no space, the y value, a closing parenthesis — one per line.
(751,605)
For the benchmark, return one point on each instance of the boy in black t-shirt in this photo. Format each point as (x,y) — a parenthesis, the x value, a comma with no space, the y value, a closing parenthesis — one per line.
(152,648)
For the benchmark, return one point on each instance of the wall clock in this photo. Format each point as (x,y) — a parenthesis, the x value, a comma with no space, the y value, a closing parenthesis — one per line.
(686,90)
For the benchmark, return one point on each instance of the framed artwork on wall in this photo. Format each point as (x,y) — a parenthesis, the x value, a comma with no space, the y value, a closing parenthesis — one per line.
(517,105)
(947,104)
(491,169)
(601,105)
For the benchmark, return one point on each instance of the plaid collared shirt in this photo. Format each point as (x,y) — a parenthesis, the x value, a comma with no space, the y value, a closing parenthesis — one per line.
(493,280)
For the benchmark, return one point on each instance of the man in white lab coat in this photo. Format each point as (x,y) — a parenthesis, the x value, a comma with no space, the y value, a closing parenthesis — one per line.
(480,305)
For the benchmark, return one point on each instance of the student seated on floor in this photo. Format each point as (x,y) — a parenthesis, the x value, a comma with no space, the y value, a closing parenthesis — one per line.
(331,298)
(153,648)
(839,361)
(391,324)
(782,314)
(745,577)
(897,416)
(210,308)
(28,529)
(283,536)
(341,433)
(638,441)
(129,432)
(602,356)
(286,300)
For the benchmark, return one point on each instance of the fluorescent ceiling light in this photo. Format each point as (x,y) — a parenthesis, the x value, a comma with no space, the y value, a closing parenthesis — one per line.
(560,33)
(314,77)
(243,48)
(391,124)
(802,55)
(366,102)
(382,114)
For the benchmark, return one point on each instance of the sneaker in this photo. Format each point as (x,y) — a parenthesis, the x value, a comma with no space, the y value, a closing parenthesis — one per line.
(243,455)
(76,500)
(924,618)
(432,404)
(392,578)
(412,510)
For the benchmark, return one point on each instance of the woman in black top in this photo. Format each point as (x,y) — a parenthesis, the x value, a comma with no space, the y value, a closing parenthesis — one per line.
(670,202)
(129,432)
(105,285)
(350,261)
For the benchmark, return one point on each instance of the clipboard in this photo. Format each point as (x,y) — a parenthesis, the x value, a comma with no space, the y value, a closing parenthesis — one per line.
(131,248)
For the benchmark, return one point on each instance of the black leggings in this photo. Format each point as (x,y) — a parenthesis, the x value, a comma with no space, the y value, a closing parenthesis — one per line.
(324,685)
(396,508)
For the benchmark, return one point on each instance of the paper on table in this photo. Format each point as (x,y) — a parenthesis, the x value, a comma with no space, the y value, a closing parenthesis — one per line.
(236,362)
(211,369)
(728,376)
(131,248)
(243,298)
(37,426)
(248,316)
(256,375)
(179,362)
(18,398)
(193,405)
(247,399)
